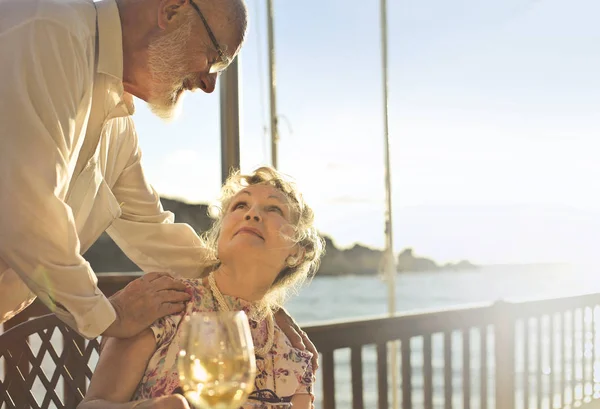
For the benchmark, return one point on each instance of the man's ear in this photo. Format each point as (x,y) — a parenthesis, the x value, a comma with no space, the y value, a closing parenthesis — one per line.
(168,10)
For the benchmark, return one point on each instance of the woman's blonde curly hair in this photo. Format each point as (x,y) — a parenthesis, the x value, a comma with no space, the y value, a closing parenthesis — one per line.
(311,244)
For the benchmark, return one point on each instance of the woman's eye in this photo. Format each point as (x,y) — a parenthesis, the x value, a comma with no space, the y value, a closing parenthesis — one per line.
(239,205)
(276,209)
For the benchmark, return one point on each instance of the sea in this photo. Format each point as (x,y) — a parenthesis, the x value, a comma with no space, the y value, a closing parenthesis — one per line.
(357,297)
(348,297)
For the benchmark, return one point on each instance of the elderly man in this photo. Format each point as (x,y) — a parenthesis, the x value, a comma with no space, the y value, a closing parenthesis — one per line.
(69,155)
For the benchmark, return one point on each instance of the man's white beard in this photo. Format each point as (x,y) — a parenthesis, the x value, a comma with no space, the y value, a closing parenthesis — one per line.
(167,110)
(167,62)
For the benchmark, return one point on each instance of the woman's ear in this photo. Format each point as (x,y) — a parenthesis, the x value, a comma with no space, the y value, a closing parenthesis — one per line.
(296,256)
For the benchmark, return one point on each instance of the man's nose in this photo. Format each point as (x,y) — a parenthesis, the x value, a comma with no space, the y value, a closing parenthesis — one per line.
(208,83)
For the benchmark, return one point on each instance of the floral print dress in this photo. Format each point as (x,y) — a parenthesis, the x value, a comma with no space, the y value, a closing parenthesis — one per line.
(285,369)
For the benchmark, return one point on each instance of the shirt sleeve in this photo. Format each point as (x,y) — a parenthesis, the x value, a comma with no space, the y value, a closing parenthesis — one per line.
(47,73)
(145,232)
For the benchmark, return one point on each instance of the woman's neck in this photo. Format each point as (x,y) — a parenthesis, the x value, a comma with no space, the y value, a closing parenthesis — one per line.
(248,283)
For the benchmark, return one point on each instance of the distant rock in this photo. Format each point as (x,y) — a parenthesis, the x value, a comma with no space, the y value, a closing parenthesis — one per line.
(461,265)
(105,255)
(407,261)
(359,260)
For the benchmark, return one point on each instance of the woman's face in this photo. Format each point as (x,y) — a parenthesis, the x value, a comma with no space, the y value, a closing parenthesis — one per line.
(257,225)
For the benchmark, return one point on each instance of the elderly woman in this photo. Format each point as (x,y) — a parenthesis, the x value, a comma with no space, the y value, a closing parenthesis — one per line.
(262,244)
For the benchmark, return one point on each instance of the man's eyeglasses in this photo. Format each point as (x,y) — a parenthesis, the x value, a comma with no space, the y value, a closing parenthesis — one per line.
(223,61)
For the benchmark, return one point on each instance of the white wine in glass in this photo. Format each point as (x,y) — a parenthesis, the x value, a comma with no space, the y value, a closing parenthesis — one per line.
(216,363)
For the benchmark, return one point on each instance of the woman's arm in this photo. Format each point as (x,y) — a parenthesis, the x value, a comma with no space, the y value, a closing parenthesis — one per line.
(302,401)
(164,402)
(120,368)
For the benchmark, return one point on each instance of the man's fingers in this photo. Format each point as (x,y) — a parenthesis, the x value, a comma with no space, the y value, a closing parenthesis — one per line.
(298,338)
(312,348)
(168,283)
(178,285)
(162,282)
(137,306)
(289,328)
(294,337)
(169,308)
(173,296)
(153,276)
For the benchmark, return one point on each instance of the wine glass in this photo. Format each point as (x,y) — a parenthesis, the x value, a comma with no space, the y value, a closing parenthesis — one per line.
(216,363)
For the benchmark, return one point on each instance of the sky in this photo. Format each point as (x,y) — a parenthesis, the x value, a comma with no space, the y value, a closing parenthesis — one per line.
(494,119)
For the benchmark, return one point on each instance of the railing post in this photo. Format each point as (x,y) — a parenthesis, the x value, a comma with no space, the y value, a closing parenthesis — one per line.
(328,380)
(504,351)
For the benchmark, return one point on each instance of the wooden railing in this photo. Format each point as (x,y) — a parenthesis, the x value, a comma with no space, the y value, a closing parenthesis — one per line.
(537,354)
(378,332)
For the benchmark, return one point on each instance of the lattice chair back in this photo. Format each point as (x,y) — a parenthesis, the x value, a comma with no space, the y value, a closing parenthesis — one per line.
(44,364)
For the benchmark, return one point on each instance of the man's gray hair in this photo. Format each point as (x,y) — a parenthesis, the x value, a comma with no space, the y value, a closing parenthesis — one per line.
(232,13)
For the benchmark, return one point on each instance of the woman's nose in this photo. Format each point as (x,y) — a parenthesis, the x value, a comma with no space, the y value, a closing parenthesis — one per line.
(253,213)
(253,216)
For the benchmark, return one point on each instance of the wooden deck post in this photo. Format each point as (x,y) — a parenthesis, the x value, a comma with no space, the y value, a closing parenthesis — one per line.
(504,351)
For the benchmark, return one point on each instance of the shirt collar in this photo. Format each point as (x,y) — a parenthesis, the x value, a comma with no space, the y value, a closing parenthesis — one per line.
(124,106)
(110,51)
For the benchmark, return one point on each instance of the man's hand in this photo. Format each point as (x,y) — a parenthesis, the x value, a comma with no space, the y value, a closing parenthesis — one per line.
(145,300)
(297,337)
